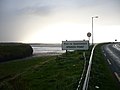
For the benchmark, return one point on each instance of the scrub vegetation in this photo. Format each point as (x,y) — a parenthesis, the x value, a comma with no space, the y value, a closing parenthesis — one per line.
(10,51)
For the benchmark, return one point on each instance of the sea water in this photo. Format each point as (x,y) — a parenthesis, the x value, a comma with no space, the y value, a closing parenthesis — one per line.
(46,49)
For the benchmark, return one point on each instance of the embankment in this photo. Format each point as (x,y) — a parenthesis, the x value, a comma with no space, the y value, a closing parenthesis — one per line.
(11,51)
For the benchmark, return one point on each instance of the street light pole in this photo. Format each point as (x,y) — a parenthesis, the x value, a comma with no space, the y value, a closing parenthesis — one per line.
(92,28)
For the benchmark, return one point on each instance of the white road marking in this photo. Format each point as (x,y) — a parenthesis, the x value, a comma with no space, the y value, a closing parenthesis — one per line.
(103,51)
(104,54)
(117,76)
(116,46)
(109,61)
(116,58)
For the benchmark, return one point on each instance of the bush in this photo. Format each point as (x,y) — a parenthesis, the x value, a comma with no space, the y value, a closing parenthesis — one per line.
(10,51)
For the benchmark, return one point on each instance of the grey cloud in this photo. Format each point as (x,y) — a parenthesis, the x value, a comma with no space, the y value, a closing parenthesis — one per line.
(41,10)
(13,24)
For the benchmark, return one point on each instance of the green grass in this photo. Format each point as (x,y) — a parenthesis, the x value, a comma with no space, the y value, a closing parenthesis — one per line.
(43,73)
(56,72)
(13,67)
(100,73)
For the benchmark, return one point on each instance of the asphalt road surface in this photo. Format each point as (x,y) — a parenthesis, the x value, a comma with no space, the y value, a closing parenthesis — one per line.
(112,54)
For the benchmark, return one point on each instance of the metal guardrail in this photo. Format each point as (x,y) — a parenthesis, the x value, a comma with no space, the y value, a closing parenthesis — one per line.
(82,72)
(86,81)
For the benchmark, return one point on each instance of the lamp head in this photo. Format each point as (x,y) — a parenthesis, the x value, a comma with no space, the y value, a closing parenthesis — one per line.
(96,16)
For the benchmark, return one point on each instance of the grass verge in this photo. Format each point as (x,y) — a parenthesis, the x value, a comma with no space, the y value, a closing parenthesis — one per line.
(43,73)
(101,75)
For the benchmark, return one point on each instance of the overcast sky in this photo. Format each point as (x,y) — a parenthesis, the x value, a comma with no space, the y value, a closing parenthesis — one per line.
(51,21)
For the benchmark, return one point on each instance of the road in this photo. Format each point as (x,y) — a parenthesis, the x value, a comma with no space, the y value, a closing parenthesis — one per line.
(112,54)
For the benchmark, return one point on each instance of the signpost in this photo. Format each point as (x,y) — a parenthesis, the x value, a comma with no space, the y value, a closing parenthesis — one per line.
(89,35)
(75,45)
